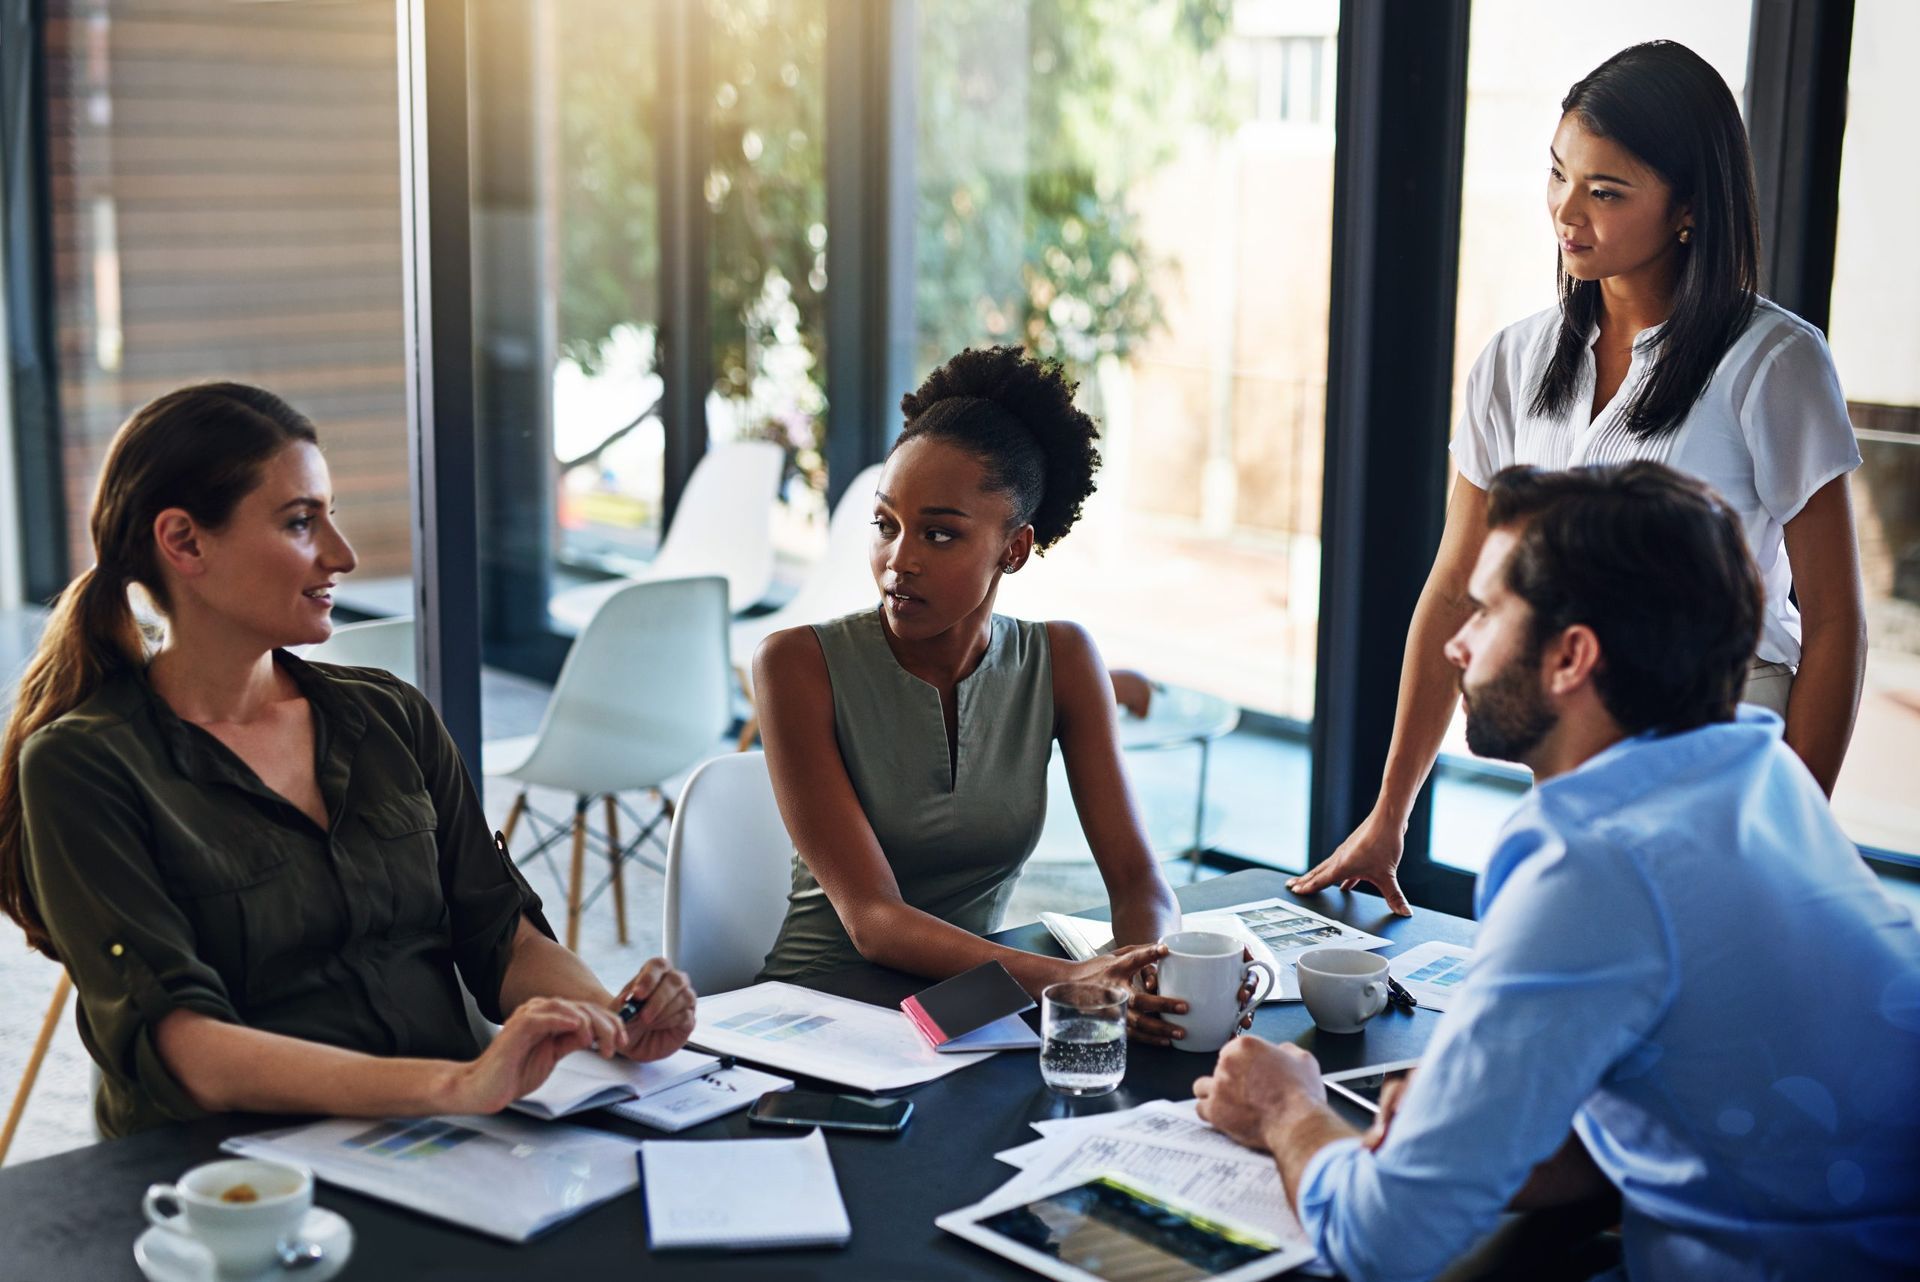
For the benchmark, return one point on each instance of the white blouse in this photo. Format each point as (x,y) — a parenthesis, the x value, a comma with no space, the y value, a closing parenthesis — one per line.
(1771,429)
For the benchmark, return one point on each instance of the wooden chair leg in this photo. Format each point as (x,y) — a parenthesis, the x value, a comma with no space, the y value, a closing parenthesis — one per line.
(751,730)
(518,808)
(47,1025)
(578,873)
(619,867)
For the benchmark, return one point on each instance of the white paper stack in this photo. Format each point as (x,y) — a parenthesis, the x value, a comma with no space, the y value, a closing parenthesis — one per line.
(742,1195)
(1165,1149)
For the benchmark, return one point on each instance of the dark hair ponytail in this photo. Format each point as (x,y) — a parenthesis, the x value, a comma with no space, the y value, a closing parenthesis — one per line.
(199,448)
(1016,414)
(1670,108)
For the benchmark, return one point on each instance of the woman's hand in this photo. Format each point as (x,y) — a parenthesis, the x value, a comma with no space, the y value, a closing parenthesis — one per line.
(1371,854)
(666,1021)
(1157,1031)
(522,1054)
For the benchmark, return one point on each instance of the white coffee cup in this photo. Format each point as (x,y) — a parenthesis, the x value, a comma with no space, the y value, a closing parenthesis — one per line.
(1206,970)
(1342,987)
(242,1236)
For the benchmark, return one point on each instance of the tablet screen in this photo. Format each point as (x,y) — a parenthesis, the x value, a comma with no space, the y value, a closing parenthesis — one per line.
(1109,1231)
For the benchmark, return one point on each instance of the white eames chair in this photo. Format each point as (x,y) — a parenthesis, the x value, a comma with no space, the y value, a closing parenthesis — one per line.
(642,696)
(729,866)
(377,643)
(840,583)
(722,526)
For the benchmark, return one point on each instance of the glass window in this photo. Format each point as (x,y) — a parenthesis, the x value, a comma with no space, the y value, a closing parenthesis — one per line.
(1144,191)
(1522,58)
(225,204)
(1875,335)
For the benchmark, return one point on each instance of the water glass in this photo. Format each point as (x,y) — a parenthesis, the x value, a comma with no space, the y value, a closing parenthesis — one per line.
(1083,1027)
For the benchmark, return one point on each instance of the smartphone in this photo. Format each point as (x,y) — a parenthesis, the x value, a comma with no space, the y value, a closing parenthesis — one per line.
(808,1109)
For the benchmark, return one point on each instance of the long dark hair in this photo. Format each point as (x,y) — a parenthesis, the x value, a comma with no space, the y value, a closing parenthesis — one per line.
(1666,105)
(199,448)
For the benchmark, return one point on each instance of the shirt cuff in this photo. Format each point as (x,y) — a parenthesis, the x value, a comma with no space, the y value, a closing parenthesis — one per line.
(1320,1183)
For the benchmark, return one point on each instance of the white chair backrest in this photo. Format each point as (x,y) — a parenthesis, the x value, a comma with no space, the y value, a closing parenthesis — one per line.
(644,693)
(377,643)
(724,522)
(840,583)
(729,867)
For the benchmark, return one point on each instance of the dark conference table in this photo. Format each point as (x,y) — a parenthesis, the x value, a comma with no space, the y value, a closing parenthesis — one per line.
(76,1215)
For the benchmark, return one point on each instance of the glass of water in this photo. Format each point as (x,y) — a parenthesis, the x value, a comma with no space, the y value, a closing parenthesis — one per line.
(1084,1030)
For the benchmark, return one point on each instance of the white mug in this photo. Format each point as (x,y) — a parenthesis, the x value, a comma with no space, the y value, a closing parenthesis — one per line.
(1206,971)
(243,1237)
(1342,987)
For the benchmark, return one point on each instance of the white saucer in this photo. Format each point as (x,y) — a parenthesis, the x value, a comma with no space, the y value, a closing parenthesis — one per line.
(168,1256)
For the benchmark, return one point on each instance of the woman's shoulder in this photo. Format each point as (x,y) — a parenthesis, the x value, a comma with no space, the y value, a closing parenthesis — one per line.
(1771,330)
(101,728)
(1516,351)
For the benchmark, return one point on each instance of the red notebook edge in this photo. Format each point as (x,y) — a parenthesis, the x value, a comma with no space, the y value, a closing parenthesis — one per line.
(923,1021)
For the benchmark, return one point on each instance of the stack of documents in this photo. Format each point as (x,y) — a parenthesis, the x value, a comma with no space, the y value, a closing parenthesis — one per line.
(742,1194)
(1274,931)
(1162,1149)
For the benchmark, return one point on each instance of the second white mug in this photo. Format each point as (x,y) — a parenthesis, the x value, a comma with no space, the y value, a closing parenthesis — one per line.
(1342,987)
(1206,970)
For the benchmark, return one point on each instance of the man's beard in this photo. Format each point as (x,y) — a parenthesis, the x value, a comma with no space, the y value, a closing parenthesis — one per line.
(1507,717)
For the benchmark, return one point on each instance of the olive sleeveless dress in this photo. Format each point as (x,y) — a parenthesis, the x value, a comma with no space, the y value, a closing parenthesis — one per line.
(954,834)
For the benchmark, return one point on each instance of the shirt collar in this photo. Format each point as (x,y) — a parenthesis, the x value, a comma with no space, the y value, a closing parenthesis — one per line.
(199,756)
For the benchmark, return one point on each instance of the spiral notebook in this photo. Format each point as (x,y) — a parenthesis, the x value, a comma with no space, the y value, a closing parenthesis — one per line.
(694,1194)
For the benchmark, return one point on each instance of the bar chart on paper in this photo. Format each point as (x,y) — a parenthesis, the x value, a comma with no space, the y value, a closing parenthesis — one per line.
(782,1026)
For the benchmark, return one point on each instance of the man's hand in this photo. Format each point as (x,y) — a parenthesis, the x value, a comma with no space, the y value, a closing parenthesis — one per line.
(1391,1092)
(1371,854)
(666,1021)
(1257,1086)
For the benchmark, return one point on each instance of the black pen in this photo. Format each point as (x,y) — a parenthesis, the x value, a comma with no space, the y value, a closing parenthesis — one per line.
(1401,996)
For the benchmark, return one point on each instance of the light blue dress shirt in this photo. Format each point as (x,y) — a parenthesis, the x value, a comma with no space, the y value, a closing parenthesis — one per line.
(1684,959)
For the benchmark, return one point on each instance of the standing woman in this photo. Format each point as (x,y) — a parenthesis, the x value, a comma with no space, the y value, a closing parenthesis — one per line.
(908,743)
(1660,348)
(264,875)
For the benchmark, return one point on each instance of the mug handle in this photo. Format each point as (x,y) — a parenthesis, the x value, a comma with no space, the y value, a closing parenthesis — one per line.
(150,1204)
(1259,995)
(1373,998)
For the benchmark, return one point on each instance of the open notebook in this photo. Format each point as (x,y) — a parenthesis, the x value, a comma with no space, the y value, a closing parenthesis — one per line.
(583,1080)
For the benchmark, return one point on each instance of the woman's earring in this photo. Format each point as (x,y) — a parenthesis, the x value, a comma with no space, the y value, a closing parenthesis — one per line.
(1010,567)
(1686,234)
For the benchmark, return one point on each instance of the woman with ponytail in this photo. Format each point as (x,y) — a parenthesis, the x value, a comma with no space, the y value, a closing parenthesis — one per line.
(908,743)
(267,877)
(1660,348)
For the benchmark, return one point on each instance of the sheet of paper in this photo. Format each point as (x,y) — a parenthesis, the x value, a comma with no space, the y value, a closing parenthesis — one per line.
(1432,971)
(1233,1182)
(784,1026)
(742,1193)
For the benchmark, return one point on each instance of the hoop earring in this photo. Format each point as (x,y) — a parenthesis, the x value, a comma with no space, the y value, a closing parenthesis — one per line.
(1686,234)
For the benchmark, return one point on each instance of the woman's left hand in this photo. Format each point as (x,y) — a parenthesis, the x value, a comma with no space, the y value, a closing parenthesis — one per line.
(1145,1011)
(666,1021)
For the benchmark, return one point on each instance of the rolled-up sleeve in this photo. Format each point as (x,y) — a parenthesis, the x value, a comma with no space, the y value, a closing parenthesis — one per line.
(1572,972)
(131,951)
(486,895)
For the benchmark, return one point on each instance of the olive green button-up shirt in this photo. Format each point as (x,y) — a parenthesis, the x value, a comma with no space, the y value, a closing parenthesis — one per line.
(171,878)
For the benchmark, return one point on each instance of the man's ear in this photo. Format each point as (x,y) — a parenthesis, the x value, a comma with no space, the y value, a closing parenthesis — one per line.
(1571,659)
(176,540)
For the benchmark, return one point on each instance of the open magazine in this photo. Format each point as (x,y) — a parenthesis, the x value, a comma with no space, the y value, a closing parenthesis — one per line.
(1274,931)
(503,1176)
